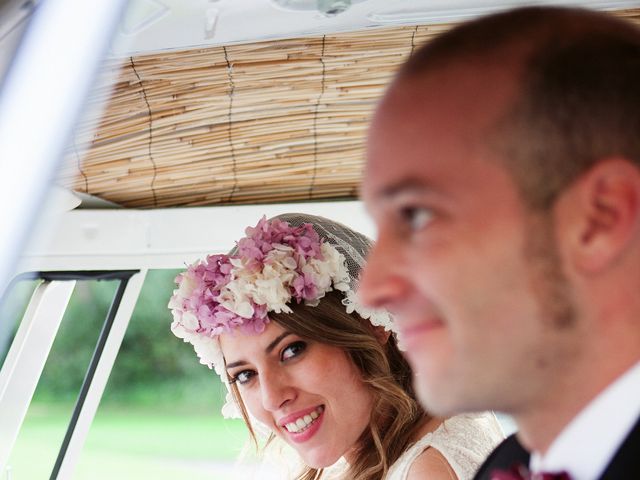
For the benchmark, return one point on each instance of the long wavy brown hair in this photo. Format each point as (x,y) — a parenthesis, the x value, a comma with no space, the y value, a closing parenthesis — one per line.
(396,415)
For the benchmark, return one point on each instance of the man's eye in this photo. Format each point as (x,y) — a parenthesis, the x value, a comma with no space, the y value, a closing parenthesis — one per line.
(293,350)
(242,377)
(416,217)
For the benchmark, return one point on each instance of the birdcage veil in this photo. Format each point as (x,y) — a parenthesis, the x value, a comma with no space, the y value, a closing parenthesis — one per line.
(354,246)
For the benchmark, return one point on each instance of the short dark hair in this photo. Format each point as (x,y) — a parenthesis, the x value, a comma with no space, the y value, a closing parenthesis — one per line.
(578,100)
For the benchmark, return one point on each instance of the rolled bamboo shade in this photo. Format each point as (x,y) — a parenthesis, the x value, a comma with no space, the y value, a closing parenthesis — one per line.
(265,122)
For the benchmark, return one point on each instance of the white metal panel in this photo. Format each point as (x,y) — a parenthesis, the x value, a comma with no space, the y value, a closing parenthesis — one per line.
(101,375)
(43,92)
(26,358)
(14,16)
(164,238)
(179,24)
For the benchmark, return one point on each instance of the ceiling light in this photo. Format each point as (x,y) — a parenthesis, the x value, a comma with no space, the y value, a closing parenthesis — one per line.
(327,7)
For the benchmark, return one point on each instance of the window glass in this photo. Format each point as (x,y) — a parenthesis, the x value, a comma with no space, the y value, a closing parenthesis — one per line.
(160,414)
(12,307)
(36,448)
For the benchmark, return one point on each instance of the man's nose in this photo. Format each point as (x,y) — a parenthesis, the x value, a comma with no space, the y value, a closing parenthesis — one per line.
(383,281)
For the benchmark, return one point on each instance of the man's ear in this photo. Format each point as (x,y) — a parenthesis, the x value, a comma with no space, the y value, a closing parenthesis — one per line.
(606,219)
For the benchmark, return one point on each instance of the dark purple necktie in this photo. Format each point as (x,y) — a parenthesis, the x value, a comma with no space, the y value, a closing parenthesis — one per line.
(520,472)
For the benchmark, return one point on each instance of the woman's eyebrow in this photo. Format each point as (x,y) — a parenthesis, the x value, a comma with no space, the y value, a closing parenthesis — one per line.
(268,350)
(276,341)
(235,364)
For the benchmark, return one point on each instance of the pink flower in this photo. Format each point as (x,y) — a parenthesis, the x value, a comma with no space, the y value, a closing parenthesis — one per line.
(275,264)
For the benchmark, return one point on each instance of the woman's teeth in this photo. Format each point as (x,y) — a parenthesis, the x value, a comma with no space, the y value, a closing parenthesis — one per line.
(303,422)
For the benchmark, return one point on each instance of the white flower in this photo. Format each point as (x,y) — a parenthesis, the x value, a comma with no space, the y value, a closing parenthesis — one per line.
(377,317)
(336,265)
(272,284)
(269,287)
(185,326)
(190,321)
(230,408)
(273,292)
(188,284)
(178,330)
(175,302)
(209,353)
(236,295)
(236,302)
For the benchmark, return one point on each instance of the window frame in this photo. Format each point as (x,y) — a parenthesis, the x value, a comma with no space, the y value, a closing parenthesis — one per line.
(30,348)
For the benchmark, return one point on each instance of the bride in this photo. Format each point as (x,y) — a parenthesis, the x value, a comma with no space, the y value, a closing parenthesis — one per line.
(279,321)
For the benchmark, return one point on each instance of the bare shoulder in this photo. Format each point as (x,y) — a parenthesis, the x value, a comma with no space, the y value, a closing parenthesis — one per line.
(431,464)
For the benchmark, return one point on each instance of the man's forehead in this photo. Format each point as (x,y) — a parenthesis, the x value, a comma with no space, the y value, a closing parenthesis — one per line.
(422,141)
(457,101)
(396,134)
(457,83)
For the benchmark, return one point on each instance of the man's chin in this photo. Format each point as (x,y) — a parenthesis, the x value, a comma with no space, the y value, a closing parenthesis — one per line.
(438,401)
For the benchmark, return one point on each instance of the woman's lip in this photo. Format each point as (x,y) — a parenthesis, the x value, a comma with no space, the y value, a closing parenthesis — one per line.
(292,417)
(308,432)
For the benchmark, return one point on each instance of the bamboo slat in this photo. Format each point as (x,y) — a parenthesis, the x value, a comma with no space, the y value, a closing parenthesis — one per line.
(265,122)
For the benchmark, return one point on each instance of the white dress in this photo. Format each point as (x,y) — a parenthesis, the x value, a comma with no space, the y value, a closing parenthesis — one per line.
(464,441)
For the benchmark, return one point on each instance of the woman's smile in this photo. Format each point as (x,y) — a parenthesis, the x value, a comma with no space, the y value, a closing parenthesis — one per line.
(300,428)
(310,393)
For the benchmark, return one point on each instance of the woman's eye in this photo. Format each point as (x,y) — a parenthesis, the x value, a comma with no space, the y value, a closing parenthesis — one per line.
(416,217)
(293,350)
(243,377)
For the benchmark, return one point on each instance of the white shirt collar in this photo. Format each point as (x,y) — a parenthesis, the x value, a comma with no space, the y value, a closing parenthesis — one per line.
(588,443)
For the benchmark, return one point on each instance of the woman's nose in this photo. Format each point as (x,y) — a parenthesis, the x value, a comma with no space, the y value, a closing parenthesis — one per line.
(276,390)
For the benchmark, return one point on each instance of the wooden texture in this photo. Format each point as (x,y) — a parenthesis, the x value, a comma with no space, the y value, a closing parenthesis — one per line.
(265,122)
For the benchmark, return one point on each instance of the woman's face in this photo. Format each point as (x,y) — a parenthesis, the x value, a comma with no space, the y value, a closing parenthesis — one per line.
(310,394)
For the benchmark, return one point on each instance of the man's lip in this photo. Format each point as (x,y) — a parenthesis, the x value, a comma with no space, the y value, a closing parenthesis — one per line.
(292,417)
(418,328)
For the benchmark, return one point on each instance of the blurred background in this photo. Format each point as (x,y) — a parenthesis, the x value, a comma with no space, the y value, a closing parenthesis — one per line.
(160,414)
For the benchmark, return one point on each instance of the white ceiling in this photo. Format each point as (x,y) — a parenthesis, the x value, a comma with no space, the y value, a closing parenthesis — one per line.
(156,25)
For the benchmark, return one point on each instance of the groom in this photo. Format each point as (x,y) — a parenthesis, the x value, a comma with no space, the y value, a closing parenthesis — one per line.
(503,174)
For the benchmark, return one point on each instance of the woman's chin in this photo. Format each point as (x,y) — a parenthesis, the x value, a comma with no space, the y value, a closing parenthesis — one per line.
(318,461)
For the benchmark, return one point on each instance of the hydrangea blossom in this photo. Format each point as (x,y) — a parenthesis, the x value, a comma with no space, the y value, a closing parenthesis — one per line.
(275,264)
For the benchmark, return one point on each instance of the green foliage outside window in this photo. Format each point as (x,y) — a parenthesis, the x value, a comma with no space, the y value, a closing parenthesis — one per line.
(152,367)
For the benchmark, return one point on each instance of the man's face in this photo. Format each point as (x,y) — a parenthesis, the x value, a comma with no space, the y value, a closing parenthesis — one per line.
(459,260)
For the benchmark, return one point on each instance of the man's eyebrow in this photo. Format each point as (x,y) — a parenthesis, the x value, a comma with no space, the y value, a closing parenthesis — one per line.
(407,185)
(268,350)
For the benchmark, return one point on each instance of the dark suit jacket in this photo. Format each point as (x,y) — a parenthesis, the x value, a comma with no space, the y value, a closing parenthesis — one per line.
(625,465)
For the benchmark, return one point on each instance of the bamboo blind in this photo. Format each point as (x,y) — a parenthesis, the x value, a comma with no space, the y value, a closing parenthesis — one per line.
(265,122)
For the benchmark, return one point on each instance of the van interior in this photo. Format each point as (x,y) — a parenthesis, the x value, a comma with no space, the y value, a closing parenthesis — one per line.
(174,125)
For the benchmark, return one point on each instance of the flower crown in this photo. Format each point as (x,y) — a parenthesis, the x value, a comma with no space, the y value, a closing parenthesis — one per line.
(274,265)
